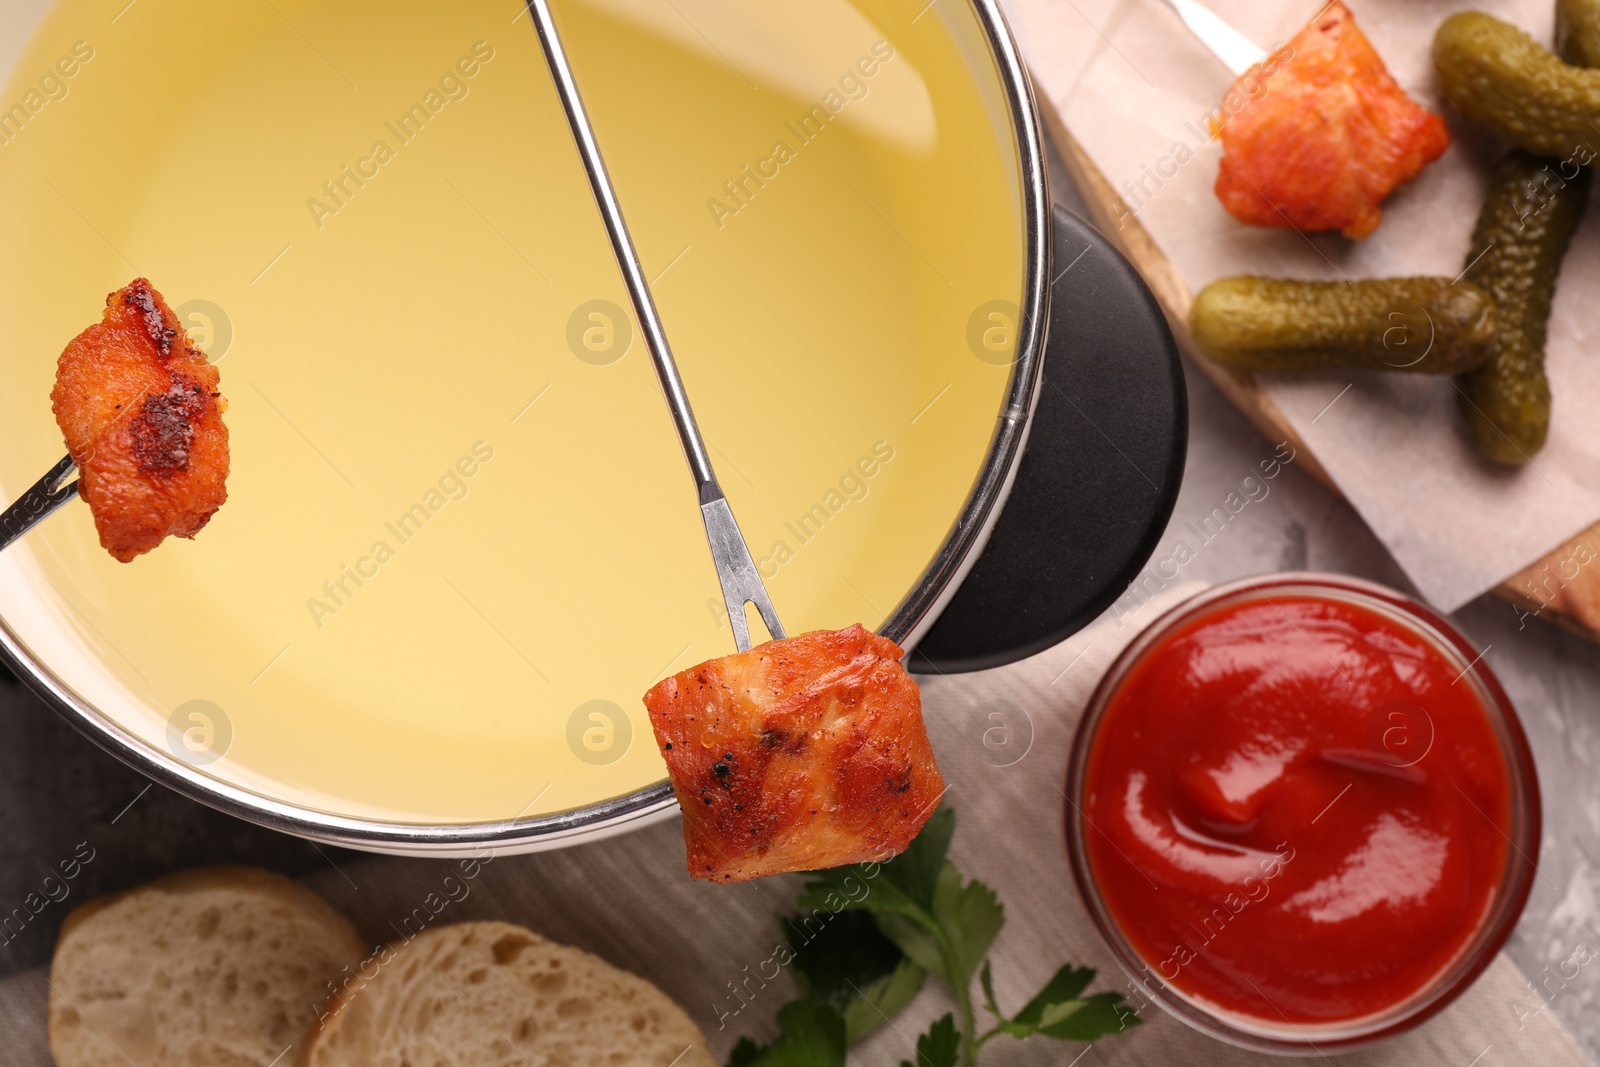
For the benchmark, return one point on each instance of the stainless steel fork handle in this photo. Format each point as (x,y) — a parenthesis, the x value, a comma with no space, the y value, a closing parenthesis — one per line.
(1236,51)
(741,582)
(38,503)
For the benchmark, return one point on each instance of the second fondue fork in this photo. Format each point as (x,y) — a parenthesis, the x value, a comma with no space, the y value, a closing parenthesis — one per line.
(741,583)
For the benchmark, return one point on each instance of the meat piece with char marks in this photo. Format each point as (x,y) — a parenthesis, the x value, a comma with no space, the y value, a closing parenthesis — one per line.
(140,409)
(801,754)
(1326,135)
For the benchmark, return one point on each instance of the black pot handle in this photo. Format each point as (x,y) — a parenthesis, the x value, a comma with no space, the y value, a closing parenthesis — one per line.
(1100,475)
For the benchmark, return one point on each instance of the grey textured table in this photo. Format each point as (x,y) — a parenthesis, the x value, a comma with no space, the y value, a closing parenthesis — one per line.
(59,793)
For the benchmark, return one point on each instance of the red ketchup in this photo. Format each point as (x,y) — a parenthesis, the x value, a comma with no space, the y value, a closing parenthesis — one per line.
(1297,809)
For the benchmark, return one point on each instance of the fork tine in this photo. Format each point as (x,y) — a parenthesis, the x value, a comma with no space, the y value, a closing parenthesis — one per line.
(38,503)
(736,571)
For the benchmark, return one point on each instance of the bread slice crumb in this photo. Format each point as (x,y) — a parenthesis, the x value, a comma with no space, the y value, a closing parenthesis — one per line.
(487,994)
(221,967)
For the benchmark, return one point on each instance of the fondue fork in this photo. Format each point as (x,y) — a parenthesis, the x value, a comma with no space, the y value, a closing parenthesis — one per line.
(1236,51)
(38,503)
(736,571)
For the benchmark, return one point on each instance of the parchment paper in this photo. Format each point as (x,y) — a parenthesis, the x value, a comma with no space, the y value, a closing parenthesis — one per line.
(1134,86)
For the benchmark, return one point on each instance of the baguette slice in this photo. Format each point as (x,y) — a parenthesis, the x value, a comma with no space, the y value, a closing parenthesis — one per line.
(223,967)
(491,994)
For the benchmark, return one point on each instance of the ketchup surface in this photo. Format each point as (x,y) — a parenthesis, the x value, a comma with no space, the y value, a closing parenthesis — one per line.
(1296,811)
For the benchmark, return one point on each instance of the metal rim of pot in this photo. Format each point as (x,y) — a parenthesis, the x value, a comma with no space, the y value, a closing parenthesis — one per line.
(912,618)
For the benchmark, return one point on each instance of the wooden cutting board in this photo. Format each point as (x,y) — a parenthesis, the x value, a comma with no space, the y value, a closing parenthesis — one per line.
(1563,588)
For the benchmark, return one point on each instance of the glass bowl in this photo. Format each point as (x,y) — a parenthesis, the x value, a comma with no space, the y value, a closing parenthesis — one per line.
(1281,1036)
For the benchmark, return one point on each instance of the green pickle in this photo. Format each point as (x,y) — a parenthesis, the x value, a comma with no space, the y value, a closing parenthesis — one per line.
(1578,31)
(1504,80)
(1528,219)
(1418,325)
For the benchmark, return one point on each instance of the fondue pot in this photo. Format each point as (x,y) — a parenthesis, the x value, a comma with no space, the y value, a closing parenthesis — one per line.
(459,543)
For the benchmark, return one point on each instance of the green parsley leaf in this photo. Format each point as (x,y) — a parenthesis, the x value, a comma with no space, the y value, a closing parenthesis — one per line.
(916,871)
(1058,1012)
(904,884)
(970,915)
(813,1036)
(988,992)
(939,1047)
(833,954)
(882,1001)
(942,923)
(872,935)
(1064,988)
(846,962)
(919,937)
(746,1053)
(855,888)
(1095,1017)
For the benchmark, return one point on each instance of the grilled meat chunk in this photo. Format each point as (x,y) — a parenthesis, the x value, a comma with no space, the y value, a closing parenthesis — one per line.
(142,416)
(801,754)
(1326,136)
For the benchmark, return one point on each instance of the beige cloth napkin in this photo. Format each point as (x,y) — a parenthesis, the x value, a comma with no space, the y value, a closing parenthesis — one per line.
(629,900)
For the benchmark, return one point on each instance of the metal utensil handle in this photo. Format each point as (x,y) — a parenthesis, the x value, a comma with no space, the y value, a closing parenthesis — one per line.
(38,503)
(1233,49)
(741,582)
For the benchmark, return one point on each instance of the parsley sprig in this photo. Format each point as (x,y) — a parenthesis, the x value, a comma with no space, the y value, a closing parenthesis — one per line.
(919,916)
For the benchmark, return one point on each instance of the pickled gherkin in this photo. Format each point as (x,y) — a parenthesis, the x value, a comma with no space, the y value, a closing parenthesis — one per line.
(1531,211)
(1504,80)
(1578,32)
(1417,325)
